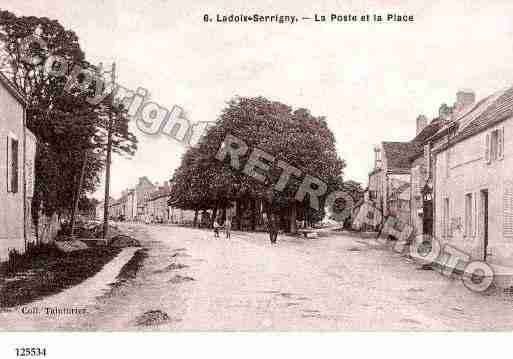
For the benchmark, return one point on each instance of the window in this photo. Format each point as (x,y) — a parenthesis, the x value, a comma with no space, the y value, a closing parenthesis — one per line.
(377,158)
(12,165)
(468,215)
(447,162)
(495,145)
(476,217)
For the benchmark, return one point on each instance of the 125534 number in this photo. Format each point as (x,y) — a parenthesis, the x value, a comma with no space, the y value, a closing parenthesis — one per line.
(30,352)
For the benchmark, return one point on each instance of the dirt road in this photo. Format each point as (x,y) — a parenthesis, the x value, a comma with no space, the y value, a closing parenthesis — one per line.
(333,283)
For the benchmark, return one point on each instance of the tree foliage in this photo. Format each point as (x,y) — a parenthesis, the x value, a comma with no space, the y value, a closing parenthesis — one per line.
(68,128)
(293,136)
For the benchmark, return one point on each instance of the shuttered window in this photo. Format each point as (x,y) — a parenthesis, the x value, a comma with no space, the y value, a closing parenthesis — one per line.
(447,162)
(494,145)
(508,210)
(487,149)
(500,146)
(12,164)
(476,217)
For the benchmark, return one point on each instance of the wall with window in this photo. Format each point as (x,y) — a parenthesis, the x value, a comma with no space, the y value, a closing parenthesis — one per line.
(463,173)
(376,187)
(11,174)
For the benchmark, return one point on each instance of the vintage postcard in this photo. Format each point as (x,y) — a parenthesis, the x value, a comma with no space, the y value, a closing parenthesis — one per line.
(241,166)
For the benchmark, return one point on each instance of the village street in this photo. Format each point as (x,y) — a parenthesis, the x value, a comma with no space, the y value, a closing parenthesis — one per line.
(335,282)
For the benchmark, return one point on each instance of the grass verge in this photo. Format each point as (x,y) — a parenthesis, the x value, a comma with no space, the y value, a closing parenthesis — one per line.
(130,269)
(48,271)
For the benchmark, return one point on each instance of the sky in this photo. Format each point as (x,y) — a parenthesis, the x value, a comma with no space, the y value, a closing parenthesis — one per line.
(370,80)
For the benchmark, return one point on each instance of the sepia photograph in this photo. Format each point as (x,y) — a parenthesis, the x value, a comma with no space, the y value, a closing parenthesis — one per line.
(232,166)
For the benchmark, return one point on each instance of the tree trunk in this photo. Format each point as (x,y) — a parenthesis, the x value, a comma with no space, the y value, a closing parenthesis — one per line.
(223,215)
(238,214)
(293,216)
(253,214)
(74,209)
(214,217)
(195,223)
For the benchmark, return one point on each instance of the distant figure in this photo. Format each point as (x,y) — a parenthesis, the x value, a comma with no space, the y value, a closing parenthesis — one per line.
(216,228)
(228,227)
(272,226)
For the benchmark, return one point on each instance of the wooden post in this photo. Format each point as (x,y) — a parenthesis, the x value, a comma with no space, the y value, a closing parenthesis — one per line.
(77,197)
(109,159)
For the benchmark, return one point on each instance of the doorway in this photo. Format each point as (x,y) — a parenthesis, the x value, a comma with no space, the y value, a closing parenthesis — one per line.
(484,221)
(427,219)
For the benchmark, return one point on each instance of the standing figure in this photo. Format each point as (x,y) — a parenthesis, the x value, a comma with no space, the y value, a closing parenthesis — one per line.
(228,227)
(216,228)
(272,221)
(272,226)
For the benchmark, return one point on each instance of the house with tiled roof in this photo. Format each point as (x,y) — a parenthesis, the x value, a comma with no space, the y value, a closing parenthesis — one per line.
(421,203)
(401,172)
(472,181)
(391,177)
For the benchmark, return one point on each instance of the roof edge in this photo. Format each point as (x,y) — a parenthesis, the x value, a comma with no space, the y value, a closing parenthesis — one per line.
(13,90)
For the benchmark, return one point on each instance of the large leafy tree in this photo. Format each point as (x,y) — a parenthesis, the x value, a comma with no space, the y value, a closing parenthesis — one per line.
(292,136)
(70,130)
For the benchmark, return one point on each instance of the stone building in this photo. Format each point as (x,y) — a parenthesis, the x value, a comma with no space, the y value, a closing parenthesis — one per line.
(143,190)
(390,178)
(158,208)
(472,181)
(421,188)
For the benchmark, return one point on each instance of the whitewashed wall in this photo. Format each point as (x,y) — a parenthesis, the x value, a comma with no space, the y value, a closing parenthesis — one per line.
(11,204)
(469,172)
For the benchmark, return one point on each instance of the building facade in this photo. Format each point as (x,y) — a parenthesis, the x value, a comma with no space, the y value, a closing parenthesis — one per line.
(473,182)
(143,190)
(158,209)
(389,181)
(17,151)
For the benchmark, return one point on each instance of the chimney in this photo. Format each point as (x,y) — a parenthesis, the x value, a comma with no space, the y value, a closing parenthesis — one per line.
(377,157)
(444,112)
(464,98)
(422,122)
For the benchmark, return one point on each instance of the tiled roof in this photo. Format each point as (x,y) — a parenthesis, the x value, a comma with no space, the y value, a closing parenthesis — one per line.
(434,126)
(466,117)
(13,90)
(398,154)
(429,130)
(498,107)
